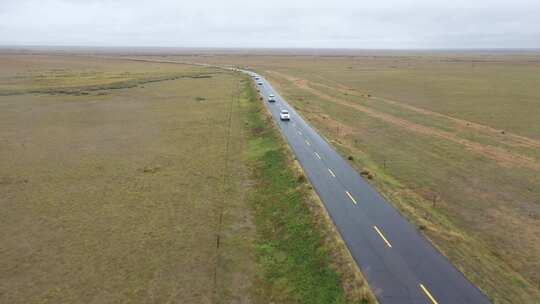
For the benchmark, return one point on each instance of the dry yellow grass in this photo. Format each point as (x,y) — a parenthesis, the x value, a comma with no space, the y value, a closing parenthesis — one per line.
(116,196)
(134,182)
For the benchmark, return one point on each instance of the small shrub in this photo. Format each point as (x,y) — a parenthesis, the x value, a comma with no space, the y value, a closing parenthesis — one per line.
(350,157)
(367,174)
(151,169)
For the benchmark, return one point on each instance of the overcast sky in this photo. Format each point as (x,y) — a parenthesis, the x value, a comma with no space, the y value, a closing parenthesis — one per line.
(273,23)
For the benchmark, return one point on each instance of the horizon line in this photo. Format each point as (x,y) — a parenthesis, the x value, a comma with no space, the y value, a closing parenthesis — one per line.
(5,46)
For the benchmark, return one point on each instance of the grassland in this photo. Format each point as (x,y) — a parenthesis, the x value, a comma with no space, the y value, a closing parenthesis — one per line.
(452,139)
(138,182)
(114,196)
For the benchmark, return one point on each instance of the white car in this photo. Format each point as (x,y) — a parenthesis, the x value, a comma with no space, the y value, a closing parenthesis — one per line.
(284,115)
(271,98)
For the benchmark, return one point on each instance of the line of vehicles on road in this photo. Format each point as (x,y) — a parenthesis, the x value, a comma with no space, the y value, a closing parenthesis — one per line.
(283,113)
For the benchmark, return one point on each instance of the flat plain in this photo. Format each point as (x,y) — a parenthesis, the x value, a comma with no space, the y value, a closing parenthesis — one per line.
(112,178)
(125,181)
(452,139)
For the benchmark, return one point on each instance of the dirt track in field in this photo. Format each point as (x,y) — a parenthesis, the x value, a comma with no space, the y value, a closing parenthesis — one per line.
(502,156)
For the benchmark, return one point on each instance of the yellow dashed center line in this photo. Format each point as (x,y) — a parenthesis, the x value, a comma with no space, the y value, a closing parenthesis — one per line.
(382,236)
(331,172)
(351,197)
(318,156)
(428,294)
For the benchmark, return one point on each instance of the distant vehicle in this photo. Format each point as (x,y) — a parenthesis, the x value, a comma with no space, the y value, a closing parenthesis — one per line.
(271,98)
(284,115)
(257,78)
(259,83)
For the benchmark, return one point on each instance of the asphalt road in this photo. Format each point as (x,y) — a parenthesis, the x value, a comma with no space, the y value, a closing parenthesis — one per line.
(401,266)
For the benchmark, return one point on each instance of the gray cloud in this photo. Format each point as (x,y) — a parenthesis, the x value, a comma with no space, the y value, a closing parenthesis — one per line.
(277,23)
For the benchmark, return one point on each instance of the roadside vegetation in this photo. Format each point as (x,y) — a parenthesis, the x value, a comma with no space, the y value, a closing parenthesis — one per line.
(296,247)
(451,139)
